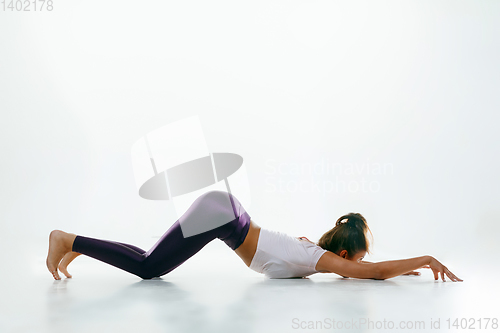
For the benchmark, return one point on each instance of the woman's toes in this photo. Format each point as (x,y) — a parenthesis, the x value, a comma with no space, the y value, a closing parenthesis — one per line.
(55,274)
(57,250)
(64,271)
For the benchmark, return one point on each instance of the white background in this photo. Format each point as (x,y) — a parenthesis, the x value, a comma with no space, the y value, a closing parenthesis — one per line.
(411,84)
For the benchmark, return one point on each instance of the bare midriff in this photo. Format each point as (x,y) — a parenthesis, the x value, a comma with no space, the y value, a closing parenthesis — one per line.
(247,249)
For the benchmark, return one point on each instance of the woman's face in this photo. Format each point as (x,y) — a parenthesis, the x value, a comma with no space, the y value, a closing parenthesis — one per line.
(357,257)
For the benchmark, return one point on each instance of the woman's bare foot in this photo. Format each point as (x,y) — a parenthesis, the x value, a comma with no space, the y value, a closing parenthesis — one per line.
(66,260)
(60,243)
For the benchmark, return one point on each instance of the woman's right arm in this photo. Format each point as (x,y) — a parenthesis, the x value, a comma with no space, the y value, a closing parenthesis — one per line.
(330,262)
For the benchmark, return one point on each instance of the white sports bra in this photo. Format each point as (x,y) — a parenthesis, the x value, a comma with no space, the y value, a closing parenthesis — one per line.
(280,256)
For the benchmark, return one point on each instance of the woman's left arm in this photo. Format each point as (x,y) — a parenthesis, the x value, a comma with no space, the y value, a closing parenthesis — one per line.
(407,273)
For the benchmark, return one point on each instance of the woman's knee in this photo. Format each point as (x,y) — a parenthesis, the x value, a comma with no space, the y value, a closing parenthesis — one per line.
(147,274)
(146,277)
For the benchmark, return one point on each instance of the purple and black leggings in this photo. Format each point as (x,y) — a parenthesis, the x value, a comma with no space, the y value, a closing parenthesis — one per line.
(173,249)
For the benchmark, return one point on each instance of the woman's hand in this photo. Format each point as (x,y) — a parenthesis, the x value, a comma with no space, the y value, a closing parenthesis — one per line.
(439,268)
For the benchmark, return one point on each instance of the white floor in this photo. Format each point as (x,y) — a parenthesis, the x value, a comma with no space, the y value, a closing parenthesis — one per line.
(215,292)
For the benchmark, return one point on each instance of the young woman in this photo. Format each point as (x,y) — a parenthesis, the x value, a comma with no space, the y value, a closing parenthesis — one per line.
(275,254)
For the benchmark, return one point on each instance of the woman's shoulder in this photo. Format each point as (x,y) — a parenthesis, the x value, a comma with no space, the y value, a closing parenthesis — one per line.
(306,239)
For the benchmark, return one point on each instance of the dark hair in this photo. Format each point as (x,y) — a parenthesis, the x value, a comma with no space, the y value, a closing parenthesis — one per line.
(349,233)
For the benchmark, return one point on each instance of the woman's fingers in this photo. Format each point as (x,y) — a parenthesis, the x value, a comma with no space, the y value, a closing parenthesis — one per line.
(452,276)
(449,274)
(439,268)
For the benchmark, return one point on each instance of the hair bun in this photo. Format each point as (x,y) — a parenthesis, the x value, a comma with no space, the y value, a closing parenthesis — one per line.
(342,220)
(352,219)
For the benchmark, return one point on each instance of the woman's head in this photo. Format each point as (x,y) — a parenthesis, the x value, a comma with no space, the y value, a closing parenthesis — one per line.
(348,238)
